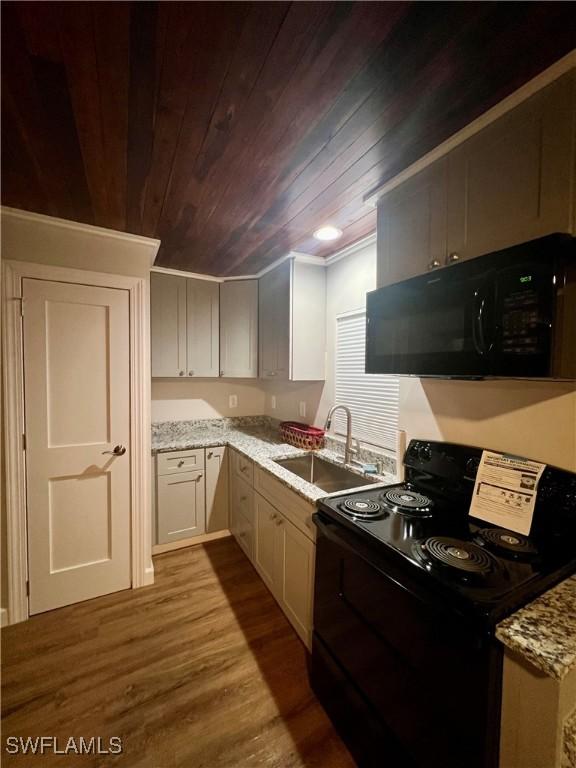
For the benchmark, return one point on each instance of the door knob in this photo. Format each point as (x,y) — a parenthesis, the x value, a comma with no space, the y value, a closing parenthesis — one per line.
(118,450)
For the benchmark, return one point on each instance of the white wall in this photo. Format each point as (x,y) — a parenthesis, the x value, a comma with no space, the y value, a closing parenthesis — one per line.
(533,419)
(177,399)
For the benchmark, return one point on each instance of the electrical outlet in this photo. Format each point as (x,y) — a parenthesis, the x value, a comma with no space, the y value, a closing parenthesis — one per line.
(273,402)
(302,409)
(233,401)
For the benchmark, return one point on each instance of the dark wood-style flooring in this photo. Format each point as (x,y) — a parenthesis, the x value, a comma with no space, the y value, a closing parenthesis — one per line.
(200,670)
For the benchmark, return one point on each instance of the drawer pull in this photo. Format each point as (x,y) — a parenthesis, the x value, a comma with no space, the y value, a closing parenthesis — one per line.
(243,498)
(181,463)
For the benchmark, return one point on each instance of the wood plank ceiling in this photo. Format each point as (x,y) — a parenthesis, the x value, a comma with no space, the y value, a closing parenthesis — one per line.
(233,130)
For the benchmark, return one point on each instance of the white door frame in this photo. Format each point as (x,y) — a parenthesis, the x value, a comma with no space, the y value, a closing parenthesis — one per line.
(13,272)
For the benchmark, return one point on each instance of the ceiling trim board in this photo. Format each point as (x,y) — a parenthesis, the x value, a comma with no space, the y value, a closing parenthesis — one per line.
(350,250)
(149,243)
(559,68)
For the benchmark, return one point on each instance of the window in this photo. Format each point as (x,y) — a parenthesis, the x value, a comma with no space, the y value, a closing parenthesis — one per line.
(372,398)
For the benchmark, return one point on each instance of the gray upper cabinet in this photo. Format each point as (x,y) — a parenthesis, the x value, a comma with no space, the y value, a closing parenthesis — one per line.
(511,182)
(412,226)
(184,326)
(514,180)
(292,323)
(274,322)
(239,329)
(202,327)
(168,324)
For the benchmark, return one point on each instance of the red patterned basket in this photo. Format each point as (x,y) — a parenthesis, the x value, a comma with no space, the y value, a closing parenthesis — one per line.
(302,435)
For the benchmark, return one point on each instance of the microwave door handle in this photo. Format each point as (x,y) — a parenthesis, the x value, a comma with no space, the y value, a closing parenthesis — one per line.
(477,328)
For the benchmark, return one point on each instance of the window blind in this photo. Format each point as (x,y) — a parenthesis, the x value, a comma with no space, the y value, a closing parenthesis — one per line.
(372,398)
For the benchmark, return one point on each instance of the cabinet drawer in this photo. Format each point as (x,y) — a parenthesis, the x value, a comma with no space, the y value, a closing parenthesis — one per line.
(243,467)
(242,498)
(180,461)
(294,507)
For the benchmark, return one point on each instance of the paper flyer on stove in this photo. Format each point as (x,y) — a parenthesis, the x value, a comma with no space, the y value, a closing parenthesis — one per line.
(505,491)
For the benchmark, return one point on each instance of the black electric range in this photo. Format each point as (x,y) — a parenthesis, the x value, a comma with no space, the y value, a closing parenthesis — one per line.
(408,591)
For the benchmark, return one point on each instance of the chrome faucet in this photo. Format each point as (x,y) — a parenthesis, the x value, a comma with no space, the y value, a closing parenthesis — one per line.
(348,450)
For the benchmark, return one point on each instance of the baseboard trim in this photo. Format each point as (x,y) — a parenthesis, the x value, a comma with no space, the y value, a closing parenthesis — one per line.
(159,549)
(3,617)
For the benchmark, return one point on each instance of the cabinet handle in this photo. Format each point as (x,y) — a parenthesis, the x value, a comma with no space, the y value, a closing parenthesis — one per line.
(434,264)
(243,498)
(200,476)
(181,373)
(271,373)
(273,516)
(280,522)
(453,257)
(190,373)
(181,463)
(221,373)
(210,454)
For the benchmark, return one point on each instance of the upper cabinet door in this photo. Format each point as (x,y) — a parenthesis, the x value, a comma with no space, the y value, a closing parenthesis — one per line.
(239,329)
(514,180)
(202,327)
(412,226)
(274,322)
(168,324)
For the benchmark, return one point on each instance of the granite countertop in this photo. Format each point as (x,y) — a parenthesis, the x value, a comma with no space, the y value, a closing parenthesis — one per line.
(544,631)
(255,438)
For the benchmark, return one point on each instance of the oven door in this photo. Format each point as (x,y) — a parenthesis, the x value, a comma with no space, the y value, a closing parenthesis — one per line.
(431,678)
(434,325)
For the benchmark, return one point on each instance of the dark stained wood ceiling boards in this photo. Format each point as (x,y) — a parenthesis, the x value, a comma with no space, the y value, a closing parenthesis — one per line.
(233,130)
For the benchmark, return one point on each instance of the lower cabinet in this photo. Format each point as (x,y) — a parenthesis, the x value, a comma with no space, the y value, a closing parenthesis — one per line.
(278,539)
(181,510)
(191,493)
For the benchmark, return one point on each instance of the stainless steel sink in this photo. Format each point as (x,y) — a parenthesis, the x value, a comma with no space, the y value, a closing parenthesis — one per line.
(327,476)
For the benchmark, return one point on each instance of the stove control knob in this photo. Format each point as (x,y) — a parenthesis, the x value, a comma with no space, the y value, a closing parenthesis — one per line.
(424,452)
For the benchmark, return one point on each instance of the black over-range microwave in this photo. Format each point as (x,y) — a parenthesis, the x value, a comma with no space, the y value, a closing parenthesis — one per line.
(507,314)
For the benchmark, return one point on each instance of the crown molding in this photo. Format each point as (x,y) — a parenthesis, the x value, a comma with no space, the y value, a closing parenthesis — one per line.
(184,273)
(350,250)
(151,245)
(559,68)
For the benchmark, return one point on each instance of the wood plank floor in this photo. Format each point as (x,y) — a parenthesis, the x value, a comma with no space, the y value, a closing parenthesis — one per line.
(200,670)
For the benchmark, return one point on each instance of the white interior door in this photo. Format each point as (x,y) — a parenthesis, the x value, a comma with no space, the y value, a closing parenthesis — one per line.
(77,403)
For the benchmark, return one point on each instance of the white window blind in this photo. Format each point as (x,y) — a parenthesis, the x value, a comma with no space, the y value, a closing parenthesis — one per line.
(372,398)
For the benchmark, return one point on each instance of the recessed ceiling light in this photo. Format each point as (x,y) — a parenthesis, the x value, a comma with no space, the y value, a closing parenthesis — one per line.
(328,233)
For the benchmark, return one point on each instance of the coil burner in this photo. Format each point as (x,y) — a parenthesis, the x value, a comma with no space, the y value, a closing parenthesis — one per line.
(364,509)
(407,502)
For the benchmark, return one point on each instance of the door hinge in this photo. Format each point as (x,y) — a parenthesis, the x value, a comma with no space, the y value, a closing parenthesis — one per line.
(23,442)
